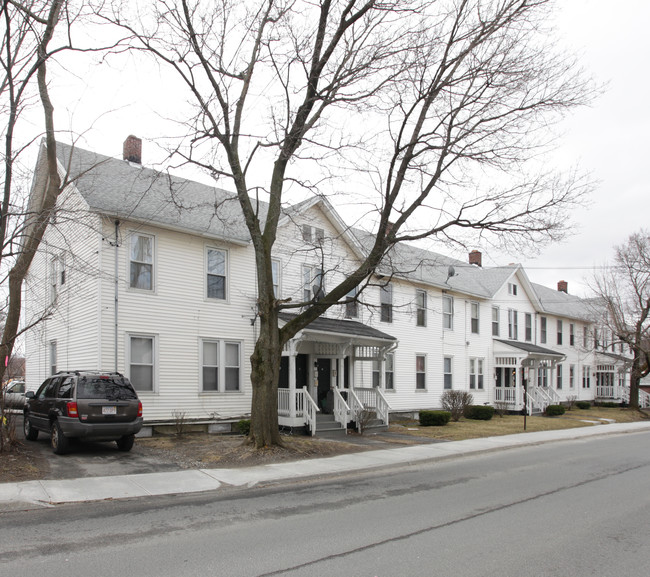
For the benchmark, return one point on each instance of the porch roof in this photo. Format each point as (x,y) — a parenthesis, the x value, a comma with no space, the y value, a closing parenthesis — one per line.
(343,327)
(532,350)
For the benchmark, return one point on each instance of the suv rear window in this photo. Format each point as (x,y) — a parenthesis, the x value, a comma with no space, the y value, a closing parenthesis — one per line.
(111,388)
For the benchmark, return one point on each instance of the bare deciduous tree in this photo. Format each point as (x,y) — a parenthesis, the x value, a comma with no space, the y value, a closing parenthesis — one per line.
(624,291)
(438,108)
(27,29)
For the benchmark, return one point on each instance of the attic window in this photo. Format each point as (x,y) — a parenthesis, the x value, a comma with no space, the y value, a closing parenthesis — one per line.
(312,234)
(512,289)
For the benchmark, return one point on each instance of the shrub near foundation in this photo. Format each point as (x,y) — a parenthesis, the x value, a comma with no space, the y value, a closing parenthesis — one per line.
(434,418)
(479,412)
(554,410)
(584,405)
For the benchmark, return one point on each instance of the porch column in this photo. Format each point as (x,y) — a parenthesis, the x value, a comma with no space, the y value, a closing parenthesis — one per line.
(292,380)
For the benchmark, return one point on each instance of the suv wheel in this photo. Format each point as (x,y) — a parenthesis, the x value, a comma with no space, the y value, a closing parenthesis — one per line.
(31,434)
(125,443)
(60,443)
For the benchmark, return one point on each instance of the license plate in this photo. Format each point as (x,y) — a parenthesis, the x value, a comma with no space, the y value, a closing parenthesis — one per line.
(109,410)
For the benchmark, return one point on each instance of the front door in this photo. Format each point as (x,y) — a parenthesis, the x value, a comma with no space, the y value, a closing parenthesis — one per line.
(324,375)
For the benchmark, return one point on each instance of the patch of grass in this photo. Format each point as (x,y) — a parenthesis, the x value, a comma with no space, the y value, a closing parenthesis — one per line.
(511,424)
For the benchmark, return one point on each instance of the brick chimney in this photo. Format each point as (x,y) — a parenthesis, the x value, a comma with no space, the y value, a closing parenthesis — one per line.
(132,150)
(563,286)
(475,257)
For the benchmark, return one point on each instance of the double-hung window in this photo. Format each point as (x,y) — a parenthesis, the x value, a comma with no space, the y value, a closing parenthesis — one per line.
(275,273)
(528,318)
(513,328)
(53,357)
(586,377)
(389,372)
(495,321)
(572,376)
(386,302)
(447,312)
(475,373)
(220,366)
(352,304)
(141,261)
(542,329)
(447,372)
(475,318)
(313,283)
(53,279)
(142,362)
(559,332)
(572,335)
(217,273)
(421,308)
(558,376)
(420,372)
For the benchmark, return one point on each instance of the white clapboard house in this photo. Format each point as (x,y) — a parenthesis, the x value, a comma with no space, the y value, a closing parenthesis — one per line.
(153,276)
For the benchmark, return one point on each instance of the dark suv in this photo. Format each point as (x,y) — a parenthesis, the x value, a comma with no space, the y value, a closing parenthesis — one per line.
(97,406)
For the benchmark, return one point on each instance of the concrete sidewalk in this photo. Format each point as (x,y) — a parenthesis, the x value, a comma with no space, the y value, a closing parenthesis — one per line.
(18,496)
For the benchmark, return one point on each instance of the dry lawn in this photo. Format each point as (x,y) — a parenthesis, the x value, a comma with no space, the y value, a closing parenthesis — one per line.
(511,424)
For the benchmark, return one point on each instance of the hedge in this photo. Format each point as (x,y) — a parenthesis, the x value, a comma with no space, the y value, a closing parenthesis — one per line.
(434,418)
(479,412)
(554,410)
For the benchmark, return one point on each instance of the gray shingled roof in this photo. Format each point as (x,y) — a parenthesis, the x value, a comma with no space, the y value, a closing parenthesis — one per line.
(341,327)
(128,191)
(531,348)
(432,268)
(563,304)
(117,188)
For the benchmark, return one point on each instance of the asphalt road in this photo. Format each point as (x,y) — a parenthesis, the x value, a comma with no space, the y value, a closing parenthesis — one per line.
(572,508)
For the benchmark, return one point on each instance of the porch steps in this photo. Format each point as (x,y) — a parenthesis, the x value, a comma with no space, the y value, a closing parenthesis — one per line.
(326,426)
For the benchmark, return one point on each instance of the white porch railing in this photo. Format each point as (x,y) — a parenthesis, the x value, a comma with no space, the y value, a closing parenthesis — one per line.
(307,408)
(506,395)
(607,392)
(341,409)
(554,396)
(371,398)
(644,398)
(356,406)
(284,399)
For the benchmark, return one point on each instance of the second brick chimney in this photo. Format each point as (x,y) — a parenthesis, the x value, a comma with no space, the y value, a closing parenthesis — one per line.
(563,286)
(132,150)
(475,257)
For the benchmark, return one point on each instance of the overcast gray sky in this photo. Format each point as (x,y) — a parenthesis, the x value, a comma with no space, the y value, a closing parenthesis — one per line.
(607,140)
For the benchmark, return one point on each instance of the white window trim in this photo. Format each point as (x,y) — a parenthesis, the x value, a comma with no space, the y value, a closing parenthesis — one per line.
(154,352)
(423,308)
(53,355)
(451,372)
(207,249)
(154,264)
(449,315)
(222,366)
(478,362)
(473,304)
(278,264)
(424,355)
(496,323)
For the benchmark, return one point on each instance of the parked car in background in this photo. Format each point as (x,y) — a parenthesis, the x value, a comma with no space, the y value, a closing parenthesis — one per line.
(98,406)
(14,395)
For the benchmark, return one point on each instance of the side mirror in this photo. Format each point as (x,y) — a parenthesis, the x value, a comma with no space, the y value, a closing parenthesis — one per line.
(29,395)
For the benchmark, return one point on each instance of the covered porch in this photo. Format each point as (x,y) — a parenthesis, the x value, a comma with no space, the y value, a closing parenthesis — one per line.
(318,387)
(523,376)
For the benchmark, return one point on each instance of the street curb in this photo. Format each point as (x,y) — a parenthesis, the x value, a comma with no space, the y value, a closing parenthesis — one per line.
(46,493)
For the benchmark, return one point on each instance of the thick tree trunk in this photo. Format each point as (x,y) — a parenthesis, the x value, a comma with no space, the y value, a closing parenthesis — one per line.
(265,372)
(634,383)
